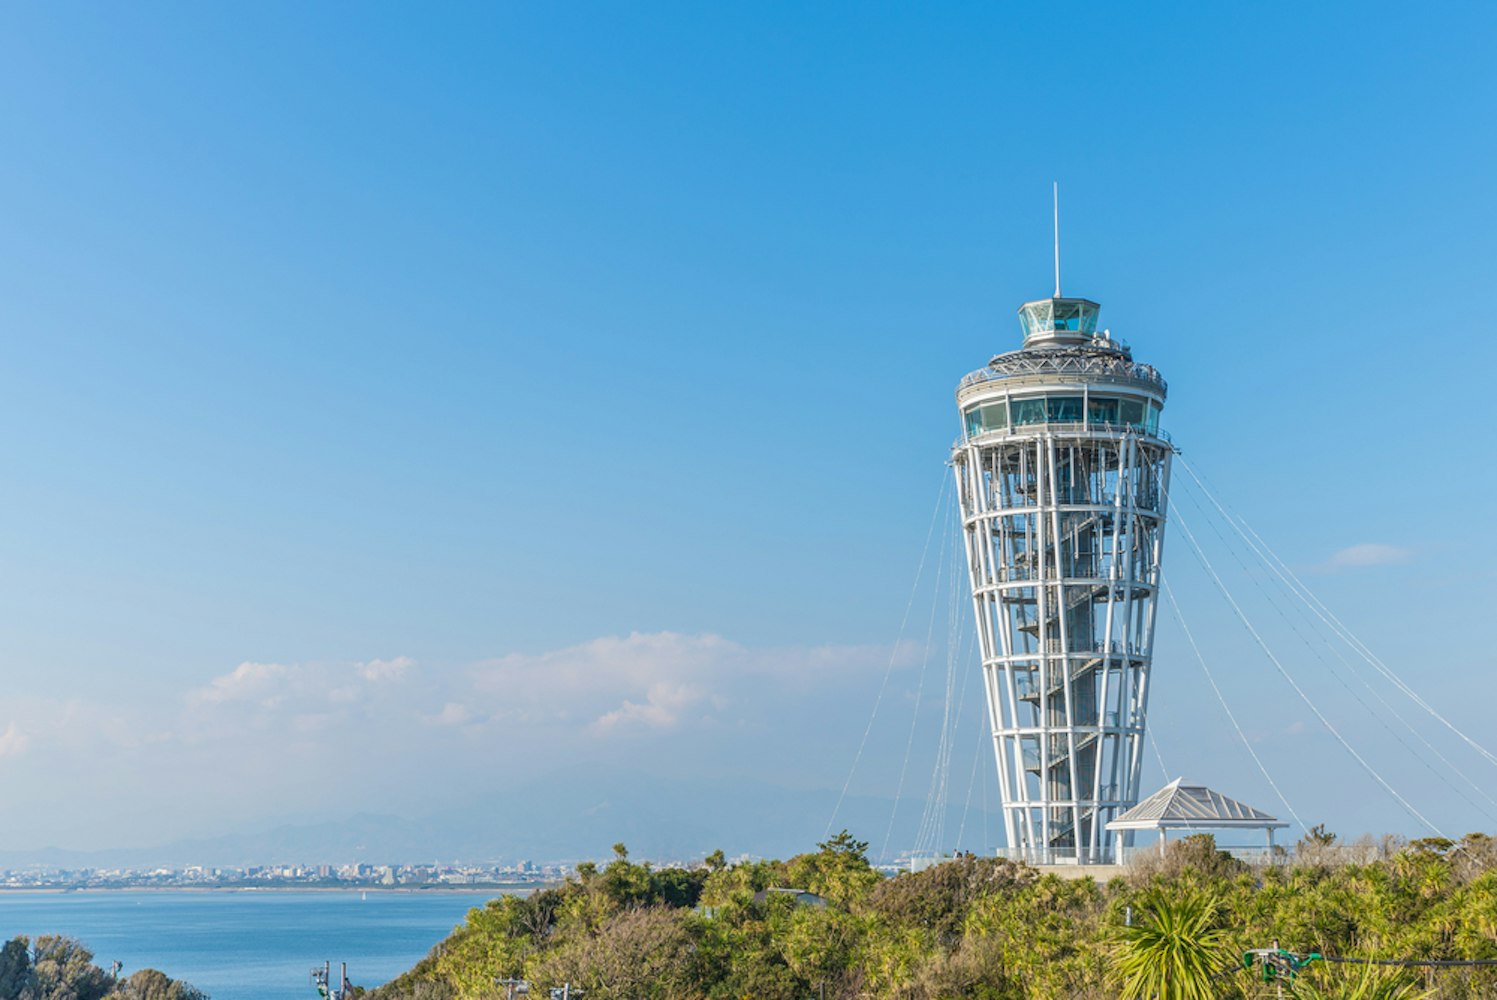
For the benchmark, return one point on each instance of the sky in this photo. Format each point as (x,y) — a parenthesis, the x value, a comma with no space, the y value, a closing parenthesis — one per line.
(402,403)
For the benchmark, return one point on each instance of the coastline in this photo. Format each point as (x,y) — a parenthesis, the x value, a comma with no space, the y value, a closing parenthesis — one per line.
(502,888)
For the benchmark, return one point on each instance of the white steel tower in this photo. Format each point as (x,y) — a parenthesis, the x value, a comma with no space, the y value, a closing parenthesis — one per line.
(1062,474)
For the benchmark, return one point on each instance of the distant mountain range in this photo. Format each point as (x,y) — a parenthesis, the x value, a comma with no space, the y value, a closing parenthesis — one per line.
(568,816)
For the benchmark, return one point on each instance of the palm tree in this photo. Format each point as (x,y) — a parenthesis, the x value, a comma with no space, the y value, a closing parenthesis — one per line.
(1175,952)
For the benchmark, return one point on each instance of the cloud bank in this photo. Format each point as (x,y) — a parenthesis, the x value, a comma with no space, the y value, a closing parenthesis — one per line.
(299,739)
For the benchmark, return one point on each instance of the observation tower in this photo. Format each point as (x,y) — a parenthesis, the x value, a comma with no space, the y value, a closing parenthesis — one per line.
(1063,475)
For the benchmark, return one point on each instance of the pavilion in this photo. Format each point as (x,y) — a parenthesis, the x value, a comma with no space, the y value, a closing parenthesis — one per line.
(1194,808)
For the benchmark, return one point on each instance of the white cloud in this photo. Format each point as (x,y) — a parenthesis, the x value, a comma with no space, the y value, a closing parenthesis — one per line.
(273,685)
(264,736)
(246,682)
(606,683)
(603,689)
(60,725)
(582,697)
(13,742)
(310,703)
(662,709)
(385,670)
(657,681)
(1366,554)
(452,714)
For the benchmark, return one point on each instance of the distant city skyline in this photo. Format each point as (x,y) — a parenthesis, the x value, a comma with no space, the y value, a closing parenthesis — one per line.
(402,408)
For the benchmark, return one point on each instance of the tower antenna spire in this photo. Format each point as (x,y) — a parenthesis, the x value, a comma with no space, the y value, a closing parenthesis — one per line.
(1055,194)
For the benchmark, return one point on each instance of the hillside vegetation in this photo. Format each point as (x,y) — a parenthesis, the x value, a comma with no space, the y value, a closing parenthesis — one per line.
(985,928)
(57,967)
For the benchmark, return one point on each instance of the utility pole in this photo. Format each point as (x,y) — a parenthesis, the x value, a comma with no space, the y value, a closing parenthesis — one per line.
(1278,964)
(321,977)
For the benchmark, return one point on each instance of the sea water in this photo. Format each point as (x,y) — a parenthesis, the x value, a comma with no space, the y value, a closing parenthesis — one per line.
(247,944)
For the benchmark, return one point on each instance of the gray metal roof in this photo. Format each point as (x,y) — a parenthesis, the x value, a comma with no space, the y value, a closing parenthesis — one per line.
(1178,806)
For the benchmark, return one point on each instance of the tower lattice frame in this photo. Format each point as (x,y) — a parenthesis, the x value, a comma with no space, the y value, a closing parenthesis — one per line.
(1063,477)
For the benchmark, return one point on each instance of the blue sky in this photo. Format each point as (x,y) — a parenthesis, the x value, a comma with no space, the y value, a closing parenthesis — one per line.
(353,347)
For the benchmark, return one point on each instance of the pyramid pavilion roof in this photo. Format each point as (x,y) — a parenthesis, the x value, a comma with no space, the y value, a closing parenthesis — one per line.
(1178,806)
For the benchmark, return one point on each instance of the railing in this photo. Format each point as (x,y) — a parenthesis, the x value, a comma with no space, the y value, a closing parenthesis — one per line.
(1072,426)
(1058,855)
(1089,647)
(1065,361)
(1125,855)
(1249,855)
(1022,503)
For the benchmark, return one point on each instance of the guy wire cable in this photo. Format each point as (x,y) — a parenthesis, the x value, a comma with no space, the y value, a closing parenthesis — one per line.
(1190,636)
(893,654)
(1334,673)
(1263,645)
(932,818)
(971,782)
(930,630)
(1329,617)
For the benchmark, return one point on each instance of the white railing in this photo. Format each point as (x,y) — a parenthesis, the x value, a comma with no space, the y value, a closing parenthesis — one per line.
(1073,427)
(1058,855)
(1104,366)
(1259,855)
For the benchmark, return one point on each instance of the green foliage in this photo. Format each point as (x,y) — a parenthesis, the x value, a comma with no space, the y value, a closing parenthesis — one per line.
(938,899)
(1369,983)
(839,870)
(149,984)
(1319,836)
(979,928)
(16,975)
(65,970)
(644,953)
(1176,951)
(61,968)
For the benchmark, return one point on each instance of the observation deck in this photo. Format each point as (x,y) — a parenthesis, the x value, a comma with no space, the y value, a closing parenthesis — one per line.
(1067,375)
(1100,360)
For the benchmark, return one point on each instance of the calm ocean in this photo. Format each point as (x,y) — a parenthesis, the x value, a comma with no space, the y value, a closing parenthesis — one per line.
(247,945)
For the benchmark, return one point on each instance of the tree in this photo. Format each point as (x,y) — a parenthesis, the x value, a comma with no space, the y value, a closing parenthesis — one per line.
(839,870)
(16,975)
(61,968)
(1319,836)
(65,970)
(1175,952)
(150,984)
(1474,856)
(1316,847)
(938,899)
(639,954)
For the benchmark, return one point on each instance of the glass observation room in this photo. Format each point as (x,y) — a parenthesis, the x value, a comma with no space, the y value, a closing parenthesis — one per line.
(1051,316)
(1112,412)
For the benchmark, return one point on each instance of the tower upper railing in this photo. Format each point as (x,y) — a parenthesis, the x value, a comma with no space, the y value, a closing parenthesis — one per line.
(1065,362)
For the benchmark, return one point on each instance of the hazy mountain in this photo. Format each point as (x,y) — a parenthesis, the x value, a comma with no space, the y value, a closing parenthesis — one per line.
(566,816)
